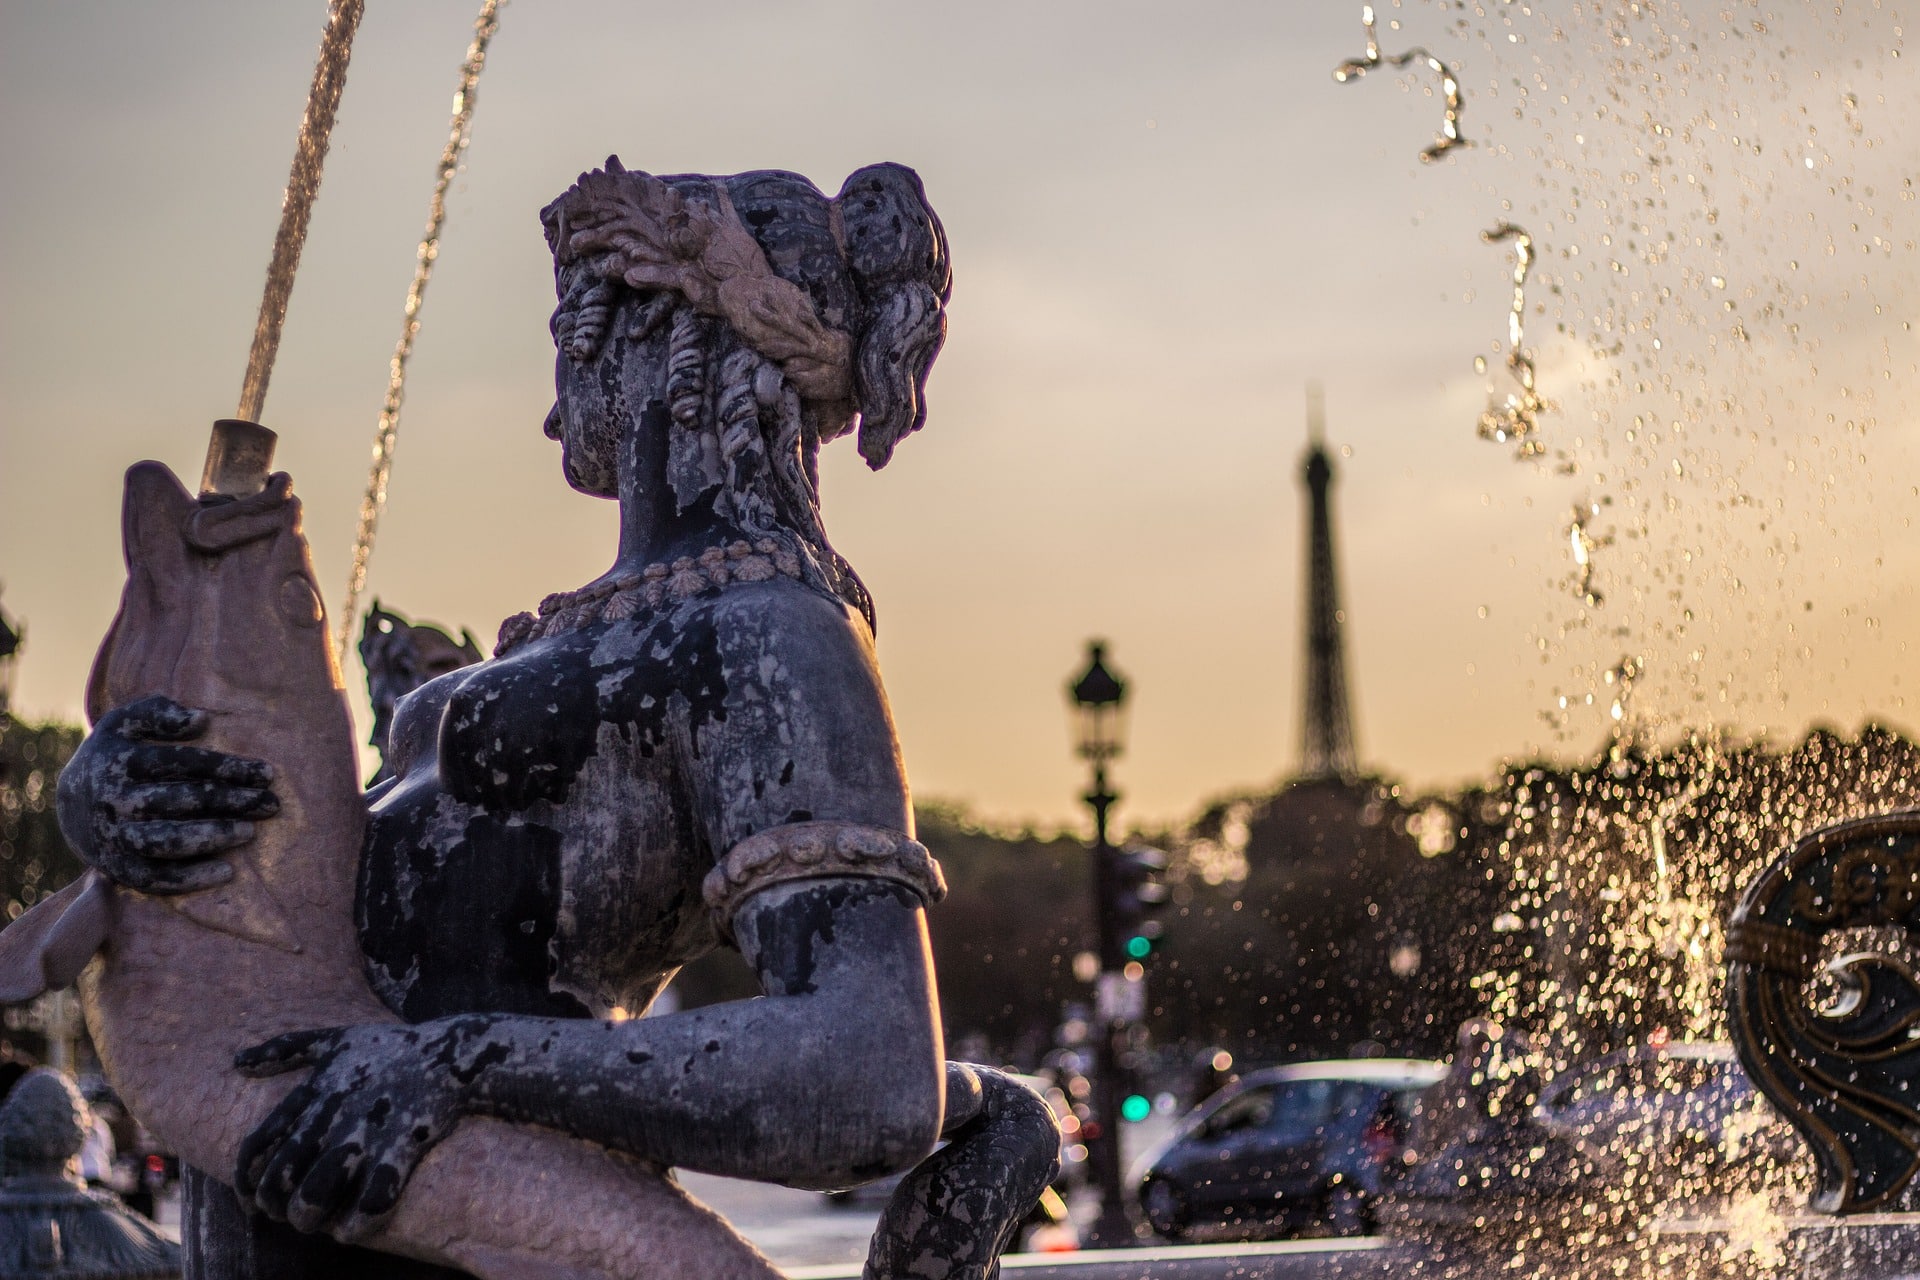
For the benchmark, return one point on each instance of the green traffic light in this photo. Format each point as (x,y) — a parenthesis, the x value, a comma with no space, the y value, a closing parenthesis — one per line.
(1139,946)
(1135,1108)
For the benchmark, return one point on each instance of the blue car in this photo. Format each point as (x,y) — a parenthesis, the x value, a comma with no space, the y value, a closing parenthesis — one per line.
(1285,1150)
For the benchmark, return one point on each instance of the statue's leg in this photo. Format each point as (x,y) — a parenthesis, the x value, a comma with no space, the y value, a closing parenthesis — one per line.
(221,1240)
(958,1209)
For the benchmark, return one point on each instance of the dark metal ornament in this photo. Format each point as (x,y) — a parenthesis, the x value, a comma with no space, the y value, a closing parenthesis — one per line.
(1823,998)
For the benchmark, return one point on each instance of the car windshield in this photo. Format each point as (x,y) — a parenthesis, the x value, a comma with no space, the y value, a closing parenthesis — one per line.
(1246,1110)
(1295,1107)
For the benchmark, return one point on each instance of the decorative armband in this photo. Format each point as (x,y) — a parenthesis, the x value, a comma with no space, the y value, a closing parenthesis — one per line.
(813,850)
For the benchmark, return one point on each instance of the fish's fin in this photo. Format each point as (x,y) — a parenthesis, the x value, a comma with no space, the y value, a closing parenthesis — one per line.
(243,907)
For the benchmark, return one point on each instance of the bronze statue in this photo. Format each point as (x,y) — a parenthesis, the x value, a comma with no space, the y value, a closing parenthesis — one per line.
(693,750)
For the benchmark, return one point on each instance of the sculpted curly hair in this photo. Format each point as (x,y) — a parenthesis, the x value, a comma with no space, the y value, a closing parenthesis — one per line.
(790,319)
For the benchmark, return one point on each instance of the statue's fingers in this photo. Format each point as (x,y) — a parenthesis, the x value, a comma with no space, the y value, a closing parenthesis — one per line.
(158,719)
(166,878)
(287,1052)
(280,1174)
(327,1189)
(381,1192)
(174,840)
(199,800)
(654,275)
(285,1167)
(631,237)
(258,1148)
(965,1097)
(155,763)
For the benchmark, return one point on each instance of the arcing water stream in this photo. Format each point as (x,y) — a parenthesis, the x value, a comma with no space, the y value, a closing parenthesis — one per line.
(303,185)
(296,206)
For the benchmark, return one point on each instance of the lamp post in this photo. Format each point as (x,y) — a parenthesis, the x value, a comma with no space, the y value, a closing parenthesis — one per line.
(1099,704)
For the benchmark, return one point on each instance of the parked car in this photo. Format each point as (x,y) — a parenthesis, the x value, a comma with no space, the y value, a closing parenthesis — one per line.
(1638,1132)
(1476,1155)
(1285,1149)
(1681,1111)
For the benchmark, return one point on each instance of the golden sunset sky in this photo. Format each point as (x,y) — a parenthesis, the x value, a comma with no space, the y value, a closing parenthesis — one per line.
(1166,221)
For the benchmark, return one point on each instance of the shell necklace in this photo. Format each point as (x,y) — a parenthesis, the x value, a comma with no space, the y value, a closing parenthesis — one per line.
(663,582)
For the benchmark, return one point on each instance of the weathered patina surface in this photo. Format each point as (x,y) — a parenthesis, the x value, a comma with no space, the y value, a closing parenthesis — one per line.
(693,750)
(400,656)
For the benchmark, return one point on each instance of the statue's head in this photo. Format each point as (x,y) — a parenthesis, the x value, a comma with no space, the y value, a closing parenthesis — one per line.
(782,318)
(43,1125)
(723,328)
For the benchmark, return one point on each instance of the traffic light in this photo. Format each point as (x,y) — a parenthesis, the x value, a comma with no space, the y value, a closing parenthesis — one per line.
(1137,895)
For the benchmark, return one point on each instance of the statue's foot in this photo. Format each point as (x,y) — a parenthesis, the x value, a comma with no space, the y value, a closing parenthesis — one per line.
(958,1209)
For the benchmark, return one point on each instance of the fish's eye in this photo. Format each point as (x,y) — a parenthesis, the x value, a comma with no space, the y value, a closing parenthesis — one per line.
(299,602)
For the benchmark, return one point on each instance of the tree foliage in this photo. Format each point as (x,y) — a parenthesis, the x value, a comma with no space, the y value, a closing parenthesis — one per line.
(34,858)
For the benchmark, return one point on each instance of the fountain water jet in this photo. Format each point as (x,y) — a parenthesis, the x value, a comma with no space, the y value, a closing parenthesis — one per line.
(296,207)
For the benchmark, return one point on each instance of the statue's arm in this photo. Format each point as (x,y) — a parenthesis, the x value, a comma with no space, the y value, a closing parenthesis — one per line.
(835,1077)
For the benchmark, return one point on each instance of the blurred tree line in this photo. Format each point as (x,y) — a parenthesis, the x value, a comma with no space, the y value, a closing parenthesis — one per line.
(34,858)
(1322,919)
(1303,923)
(1583,901)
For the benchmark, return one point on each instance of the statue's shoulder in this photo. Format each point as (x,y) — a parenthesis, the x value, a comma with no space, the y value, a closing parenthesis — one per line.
(792,622)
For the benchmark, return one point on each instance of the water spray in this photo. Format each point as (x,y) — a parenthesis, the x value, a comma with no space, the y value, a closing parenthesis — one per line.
(296,207)
(240,451)
(1517,418)
(1354,68)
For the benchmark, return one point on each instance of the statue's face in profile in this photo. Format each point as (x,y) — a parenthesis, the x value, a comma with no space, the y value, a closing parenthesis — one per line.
(597,399)
(580,421)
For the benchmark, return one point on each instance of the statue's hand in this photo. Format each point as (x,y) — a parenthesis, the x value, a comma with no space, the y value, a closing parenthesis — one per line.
(337,1152)
(150,814)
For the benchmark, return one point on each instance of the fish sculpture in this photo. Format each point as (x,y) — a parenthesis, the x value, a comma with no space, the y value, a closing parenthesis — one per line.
(221,612)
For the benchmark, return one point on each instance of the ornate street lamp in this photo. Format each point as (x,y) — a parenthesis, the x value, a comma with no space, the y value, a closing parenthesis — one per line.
(1099,700)
(1099,707)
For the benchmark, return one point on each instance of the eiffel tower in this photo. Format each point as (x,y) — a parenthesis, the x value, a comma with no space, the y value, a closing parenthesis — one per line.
(1326,727)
